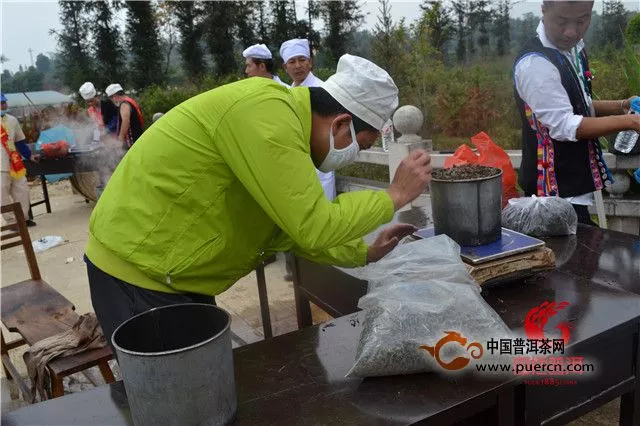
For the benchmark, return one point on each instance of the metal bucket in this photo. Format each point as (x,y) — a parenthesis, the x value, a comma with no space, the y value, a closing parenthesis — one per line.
(177,365)
(468,211)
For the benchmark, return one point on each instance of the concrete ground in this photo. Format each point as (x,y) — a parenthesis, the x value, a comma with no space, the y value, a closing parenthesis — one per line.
(63,268)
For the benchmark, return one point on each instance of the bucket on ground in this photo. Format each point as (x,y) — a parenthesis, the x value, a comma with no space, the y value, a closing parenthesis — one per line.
(177,365)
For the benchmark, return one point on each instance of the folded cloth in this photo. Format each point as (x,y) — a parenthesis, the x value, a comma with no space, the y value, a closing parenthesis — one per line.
(85,334)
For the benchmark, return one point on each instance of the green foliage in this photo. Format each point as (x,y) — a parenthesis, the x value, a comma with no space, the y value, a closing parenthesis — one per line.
(107,46)
(144,46)
(340,18)
(30,80)
(72,61)
(633,30)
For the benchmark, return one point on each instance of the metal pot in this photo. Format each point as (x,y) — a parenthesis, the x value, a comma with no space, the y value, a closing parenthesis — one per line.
(177,365)
(468,211)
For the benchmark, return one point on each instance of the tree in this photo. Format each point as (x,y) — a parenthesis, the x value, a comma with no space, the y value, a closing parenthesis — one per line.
(23,81)
(283,23)
(384,50)
(502,29)
(168,33)
(633,29)
(107,46)
(189,17)
(340,18)
(43,63)
(263,23)
(614,22)
(437,22)
(460,10)
(74,64)
(480,19)
(220,40)
(146,57)
(246,22)
(525,29)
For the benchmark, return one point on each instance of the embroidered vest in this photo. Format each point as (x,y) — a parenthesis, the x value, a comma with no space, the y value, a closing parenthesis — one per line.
(551,167)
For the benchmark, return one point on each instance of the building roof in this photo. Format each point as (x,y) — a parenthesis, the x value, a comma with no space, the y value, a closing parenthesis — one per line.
(41,98)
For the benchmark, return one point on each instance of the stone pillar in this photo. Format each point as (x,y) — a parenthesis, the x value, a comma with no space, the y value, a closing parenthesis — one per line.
(622,183)
(408,120)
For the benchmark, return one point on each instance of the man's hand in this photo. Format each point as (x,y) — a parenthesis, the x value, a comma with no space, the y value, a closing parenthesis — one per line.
(411,178)
(388,239)
(35,158)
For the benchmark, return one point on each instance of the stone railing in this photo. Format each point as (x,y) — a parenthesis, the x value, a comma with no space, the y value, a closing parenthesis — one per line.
(622,211)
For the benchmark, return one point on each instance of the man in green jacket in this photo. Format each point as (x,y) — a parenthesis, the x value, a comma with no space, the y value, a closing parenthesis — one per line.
(228,178)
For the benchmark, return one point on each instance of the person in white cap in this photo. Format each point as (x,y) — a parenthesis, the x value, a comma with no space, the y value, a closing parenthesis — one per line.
(259,63)
(296,56)
(103,113)
(130,121)
(228,178)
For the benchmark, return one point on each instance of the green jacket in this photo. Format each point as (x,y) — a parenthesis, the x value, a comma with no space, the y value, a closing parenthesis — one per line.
(219,183)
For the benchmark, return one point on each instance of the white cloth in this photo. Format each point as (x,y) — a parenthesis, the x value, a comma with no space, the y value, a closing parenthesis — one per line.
(258,51)
(87,91)
(328,180)
(14,191)
(277,80)
(364,89)
(539,84)
(310,81)
(295,47)
(15,133)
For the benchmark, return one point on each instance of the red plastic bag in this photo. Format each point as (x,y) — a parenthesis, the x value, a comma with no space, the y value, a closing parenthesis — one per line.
(55,149)
(490,155)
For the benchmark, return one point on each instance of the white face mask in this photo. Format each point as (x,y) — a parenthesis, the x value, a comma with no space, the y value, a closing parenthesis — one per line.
(338,158)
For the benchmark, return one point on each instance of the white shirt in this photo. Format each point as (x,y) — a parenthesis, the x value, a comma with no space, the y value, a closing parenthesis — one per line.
(277,80)
(328,180)
(539,84)
(15,133)
(310,81)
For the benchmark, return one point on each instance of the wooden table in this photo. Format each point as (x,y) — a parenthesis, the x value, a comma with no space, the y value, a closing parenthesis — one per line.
(598,272)
(299,378)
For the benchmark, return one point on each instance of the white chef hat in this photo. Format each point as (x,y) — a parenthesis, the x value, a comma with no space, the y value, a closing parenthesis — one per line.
(87,91)
(364,89)
(258,51)
(112,89)
(295,47)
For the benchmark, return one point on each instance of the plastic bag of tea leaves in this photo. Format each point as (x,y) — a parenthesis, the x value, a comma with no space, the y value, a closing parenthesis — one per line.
(540,216)
(409,310)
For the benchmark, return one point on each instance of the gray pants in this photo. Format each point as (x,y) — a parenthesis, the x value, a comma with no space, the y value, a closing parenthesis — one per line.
(115,301)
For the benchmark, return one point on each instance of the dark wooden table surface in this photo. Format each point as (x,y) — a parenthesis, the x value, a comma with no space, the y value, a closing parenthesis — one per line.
(299,378)
(598,273)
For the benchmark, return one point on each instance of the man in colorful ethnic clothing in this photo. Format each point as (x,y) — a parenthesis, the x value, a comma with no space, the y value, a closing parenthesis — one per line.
(14,174)
(561,155)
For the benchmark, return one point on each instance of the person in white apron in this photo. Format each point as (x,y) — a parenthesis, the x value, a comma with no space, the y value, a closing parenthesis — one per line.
(296,56)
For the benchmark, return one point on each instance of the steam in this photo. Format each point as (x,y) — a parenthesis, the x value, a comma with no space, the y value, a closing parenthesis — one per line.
(102,151)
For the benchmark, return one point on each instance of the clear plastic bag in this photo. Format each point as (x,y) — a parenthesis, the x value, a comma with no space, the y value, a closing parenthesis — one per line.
(417,305)
(540,216)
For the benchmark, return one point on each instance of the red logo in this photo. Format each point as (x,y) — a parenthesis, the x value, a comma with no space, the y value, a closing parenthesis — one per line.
(536,320)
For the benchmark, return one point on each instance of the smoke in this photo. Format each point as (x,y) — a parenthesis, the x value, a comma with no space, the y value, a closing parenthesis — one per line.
(95,149)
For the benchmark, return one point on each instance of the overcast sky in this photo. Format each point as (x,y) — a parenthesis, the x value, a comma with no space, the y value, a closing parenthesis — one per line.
(26,24)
